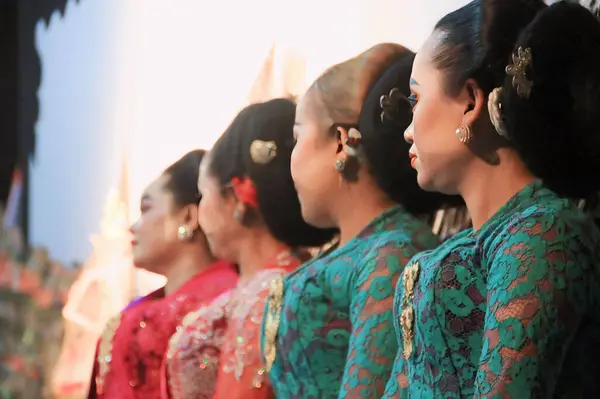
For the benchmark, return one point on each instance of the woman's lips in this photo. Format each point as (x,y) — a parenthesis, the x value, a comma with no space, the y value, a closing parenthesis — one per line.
(413,159)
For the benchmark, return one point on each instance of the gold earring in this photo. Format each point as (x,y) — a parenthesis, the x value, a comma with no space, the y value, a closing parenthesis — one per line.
(340,165)
(464,133)
(183,233)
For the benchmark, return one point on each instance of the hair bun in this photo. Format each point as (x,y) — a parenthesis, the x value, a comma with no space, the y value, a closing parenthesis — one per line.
(560,119)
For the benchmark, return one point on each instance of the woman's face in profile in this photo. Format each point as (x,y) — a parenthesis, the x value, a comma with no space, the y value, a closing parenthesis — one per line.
(216,215)
(312,163)
(436,152)
(155,240)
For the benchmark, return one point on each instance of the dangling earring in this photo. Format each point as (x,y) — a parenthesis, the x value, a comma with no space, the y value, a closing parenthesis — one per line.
(238,215)
(340,165)
(464,133)
(183,233)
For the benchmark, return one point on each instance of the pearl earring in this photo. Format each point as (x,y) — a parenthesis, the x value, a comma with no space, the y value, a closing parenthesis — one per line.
(464,133)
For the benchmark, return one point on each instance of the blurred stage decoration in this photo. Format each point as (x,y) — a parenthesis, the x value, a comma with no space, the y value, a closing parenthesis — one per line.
(33,290)
(105,285)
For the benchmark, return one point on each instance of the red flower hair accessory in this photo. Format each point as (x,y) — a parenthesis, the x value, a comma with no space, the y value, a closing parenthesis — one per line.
(245,190)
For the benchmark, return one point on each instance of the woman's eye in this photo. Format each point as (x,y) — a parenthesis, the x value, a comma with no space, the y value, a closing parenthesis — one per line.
(412,99)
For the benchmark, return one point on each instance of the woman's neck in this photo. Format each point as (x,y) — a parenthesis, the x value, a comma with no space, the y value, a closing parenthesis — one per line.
(257,250)
(360,207)
(185,266)
(487,188)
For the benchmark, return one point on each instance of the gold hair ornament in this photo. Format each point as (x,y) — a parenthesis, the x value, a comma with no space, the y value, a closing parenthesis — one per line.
(518,70)
(495,109)
(262,152)
(386,102)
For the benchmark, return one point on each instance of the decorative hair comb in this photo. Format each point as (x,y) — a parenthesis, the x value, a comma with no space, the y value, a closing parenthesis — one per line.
(518,70)
(262,152)
(389,104)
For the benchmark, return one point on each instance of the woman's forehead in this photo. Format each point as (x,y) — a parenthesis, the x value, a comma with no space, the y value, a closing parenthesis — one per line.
(155,189)
(424,55)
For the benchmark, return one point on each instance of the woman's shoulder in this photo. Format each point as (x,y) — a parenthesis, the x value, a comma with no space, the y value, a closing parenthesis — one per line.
(207,312)
(555,222)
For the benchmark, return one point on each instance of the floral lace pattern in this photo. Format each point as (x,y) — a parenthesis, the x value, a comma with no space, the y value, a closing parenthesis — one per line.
(193,353)
(510,311)
(335,336)
(242,370)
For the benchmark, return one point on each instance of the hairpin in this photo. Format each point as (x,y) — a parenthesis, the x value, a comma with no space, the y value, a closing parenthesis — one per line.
(262,152)
(518,70)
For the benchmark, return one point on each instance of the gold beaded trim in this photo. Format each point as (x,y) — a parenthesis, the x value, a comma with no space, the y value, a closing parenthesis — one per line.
(105,350)
(272,322)
(407,318)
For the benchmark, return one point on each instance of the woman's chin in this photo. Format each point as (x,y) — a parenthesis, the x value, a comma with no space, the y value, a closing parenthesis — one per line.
(424,182)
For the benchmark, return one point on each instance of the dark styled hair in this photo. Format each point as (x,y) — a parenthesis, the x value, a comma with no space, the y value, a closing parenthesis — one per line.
(557,129)
(277,197)
(183,178)
(478,39)
(560,119)
(386,113)
(350,93)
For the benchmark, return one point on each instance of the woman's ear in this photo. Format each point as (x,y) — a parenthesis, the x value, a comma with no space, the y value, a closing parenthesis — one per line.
(475,102)
(189,217)
(341,135)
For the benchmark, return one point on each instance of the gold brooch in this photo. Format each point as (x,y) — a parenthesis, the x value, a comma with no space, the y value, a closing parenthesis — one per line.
(518,70)
(407,317)
(273,317)
(104,358)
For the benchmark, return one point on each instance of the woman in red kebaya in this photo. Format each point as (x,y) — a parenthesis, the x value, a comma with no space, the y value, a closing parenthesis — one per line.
(251,216)
(166,240)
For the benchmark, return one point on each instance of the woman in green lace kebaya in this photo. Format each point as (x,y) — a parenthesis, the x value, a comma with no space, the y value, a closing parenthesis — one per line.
(328,329)
(511,307)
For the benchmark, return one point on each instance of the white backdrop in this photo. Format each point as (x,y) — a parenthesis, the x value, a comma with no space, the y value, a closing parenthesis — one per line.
(153,79)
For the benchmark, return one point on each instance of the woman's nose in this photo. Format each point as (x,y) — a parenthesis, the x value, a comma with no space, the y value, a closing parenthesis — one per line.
(409,134)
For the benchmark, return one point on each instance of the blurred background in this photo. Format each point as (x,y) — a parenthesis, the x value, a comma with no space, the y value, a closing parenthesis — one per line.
(97,97)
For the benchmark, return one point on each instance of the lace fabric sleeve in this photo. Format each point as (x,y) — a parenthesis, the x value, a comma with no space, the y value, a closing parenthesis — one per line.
(398,382)
(193,352)
(242,371)
(373,344)
(536,289)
